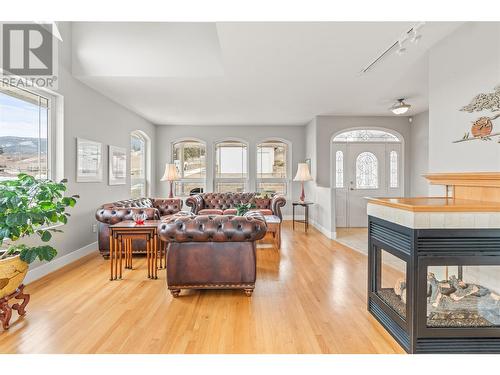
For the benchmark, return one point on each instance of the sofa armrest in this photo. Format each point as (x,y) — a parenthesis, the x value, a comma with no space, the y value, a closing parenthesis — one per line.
(195,202)
(277,202)
(115,215)
(220,228)
(167,206)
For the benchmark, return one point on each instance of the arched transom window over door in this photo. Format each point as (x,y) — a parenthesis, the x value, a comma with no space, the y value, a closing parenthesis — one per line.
(366,171)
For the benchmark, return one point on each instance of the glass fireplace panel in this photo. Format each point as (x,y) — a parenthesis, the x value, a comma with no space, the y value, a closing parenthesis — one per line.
(463,296)
(392,283)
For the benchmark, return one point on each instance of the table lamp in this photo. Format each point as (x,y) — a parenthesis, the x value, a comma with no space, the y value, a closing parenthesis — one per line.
(302,175)
(170,175)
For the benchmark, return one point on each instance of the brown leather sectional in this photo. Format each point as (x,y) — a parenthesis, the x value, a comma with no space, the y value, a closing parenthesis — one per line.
(225,203)
(112,213)
(212,252)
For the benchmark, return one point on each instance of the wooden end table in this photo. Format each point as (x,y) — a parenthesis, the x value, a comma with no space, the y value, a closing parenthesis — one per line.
(274,226)
(306,214)
(120,246)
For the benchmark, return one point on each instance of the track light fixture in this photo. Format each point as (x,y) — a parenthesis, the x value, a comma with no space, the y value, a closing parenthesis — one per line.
(413,35)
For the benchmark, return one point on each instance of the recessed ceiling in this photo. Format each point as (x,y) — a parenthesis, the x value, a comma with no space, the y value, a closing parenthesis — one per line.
(253,73)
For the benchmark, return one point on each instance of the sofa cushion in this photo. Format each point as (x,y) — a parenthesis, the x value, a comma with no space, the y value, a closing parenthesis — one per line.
(230,211)
(210,211)
(265,212)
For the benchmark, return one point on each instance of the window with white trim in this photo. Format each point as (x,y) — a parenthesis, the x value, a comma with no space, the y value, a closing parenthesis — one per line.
(366,171)
(138,165)
(24,133)
(189,158)
(339,169)
(393,169)
(231,167)
(272,167)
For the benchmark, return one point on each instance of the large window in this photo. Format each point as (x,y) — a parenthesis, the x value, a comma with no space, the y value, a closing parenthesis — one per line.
(189,158)
(24,129)
(231,172)
(272,167)
(366,171)
(138,165)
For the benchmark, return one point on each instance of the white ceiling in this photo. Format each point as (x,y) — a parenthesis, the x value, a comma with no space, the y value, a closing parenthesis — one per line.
(252,73)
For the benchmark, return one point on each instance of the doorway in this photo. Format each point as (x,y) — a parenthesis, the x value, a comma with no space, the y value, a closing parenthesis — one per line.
(367,163)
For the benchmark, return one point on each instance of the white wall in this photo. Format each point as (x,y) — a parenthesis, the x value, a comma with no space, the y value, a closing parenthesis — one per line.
(419,154)
(461,66)
(168,134)
(91,115)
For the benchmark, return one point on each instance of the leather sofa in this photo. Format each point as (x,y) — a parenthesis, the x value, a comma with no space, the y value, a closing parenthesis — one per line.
(112,213)
(212,252)
(225,203)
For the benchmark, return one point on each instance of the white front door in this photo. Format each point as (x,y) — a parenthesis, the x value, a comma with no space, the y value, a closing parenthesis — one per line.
(370,170)
(365,177)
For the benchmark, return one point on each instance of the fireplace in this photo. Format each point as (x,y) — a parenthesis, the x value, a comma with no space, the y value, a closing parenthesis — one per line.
(436,290)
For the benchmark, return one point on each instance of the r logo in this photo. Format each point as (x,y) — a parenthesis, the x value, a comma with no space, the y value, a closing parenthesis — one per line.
(27,49)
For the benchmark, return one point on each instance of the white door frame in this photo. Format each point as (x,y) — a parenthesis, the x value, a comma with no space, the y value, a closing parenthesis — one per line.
(332,164)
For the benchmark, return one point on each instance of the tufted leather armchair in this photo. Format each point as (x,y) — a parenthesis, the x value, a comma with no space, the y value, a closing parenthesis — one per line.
(112,213)
(225,203)
(212,252)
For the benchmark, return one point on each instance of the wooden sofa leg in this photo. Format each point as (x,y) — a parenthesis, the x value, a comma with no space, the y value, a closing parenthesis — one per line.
(175,292)
(248,292)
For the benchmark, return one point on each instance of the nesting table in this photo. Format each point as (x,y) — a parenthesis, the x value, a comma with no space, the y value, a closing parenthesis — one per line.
(274,226)
(121,236)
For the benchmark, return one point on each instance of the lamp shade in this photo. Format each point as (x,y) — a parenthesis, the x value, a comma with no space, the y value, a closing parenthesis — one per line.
(303,173)
(170,173)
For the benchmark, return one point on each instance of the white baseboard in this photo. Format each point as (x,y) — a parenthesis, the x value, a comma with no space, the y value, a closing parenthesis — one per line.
(60,262)
(322,229)
(329,234)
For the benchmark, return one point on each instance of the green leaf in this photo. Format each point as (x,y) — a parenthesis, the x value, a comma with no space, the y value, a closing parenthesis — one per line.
(28,255)
(45,235)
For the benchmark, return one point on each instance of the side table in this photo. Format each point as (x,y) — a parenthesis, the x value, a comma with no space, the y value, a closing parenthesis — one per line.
(274,226)
(306,214)
(120,246)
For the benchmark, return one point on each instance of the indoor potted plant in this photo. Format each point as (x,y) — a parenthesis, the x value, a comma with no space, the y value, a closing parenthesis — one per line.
(28,206)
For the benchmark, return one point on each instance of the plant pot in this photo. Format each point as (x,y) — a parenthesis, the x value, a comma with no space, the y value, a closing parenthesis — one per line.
(12,273)
(482,127)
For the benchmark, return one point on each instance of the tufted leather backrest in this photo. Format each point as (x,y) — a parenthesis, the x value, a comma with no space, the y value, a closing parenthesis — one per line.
(140,202)
(168,206)
(219,228)
(224,201)
(115,215)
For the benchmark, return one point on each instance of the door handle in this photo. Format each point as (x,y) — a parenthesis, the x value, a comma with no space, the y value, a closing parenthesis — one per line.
(351,188)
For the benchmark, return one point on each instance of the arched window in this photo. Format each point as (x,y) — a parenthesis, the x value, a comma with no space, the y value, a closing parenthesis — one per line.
(366,171)
(189,158)
(272,166)
(339,169)
(366,135)
(138,165)
(231,172)
(393,169)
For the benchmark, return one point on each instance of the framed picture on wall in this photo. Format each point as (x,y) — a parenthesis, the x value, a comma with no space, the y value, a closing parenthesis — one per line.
(88,161)
(117,159)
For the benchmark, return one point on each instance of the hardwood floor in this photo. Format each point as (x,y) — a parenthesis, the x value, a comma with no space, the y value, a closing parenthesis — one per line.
(309,298)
